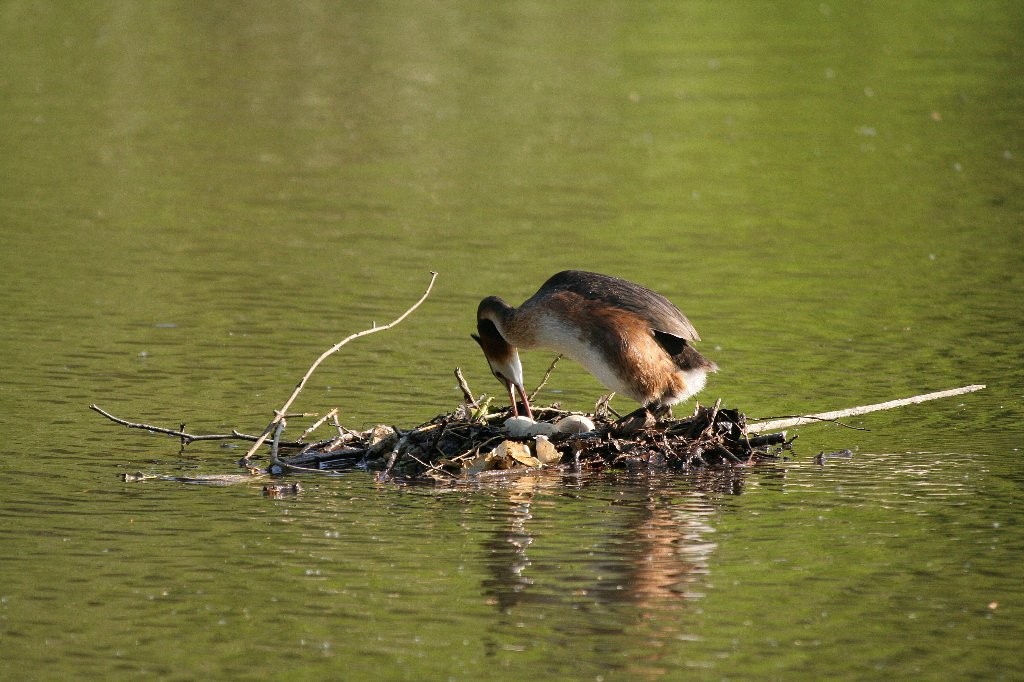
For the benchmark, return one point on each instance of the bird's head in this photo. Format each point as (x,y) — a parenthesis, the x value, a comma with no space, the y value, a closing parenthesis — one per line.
(502,356)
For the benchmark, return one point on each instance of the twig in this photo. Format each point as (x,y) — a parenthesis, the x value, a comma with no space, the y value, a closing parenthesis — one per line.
(155,429)
(287,467)
(807,419)
(603,405)
(337,424)
(316,425)
(235,433)
(274,459)
(466,393)
(430,468)
(327,353)
(777,424)
(180,433)
(711,419)
(385,474)
(544,379)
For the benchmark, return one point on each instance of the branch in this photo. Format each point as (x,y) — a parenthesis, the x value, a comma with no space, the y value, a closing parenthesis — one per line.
(777,424)
(180,433)
(279,414)
(466,393)
(319,422)
(277,441)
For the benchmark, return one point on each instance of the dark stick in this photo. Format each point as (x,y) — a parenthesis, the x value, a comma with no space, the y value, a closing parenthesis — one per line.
(186,438)
(180,433)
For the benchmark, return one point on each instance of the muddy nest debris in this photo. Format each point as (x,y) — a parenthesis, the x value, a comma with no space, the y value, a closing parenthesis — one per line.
(467,444)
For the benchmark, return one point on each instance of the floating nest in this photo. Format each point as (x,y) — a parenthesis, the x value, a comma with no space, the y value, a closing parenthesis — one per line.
(470,443)
(474,442)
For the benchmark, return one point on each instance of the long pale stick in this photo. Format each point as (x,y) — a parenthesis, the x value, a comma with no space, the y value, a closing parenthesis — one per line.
(777,424)
(279,414)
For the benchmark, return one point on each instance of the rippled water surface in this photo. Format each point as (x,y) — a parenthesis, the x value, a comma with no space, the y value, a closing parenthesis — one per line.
(197,200)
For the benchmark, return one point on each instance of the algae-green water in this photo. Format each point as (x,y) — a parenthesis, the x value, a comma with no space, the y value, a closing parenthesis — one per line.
(196,200)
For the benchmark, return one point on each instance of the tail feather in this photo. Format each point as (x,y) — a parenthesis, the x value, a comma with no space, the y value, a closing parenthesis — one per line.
(690,359)
(683,354)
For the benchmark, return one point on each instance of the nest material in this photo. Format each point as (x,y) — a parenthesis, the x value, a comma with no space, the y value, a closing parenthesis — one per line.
(463,444)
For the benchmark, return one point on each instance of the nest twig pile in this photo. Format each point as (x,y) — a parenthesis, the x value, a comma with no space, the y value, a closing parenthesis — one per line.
(464,443)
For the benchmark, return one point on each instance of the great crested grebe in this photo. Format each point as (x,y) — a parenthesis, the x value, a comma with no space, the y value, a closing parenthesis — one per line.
(633,340)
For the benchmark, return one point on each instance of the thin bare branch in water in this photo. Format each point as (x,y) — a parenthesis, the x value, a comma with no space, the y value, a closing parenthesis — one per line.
(281,425)
(779,424)
(316,425)
(337,425)
(179,433)
(323,356)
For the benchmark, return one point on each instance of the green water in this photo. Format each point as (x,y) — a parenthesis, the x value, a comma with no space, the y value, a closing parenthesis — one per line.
(198,199)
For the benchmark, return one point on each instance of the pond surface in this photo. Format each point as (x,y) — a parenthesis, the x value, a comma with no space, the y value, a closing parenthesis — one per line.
(197,200)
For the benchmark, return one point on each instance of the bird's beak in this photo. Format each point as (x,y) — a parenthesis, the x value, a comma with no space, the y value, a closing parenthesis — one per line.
(512,397)
(514,387)
(503,359)
(522,392)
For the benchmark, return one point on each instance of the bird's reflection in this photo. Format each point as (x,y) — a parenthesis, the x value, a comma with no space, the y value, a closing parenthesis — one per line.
(651,551)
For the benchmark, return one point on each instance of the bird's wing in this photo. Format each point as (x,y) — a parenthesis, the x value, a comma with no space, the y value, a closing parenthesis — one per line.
(658,311)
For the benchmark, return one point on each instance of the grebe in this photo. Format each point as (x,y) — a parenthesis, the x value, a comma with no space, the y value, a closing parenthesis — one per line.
(633,340)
